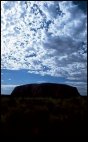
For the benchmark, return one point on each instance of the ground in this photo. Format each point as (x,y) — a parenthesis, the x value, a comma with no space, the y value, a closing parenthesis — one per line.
(43,116)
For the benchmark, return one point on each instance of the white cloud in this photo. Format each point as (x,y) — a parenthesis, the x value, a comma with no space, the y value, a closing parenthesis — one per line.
(7,89)
(9,79)
(8,86)
(81,86)
(44,34)
(42,81)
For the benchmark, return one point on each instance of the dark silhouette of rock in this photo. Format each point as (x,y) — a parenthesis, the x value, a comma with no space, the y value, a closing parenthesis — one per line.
(46,90)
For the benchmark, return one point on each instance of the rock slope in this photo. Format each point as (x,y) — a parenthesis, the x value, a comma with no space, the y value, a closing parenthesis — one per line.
(46,90)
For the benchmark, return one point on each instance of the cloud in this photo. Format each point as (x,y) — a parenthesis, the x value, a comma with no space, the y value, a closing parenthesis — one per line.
(81,86)
(42,81)
(47,38)
(8,86)
(7,89)
(9,79)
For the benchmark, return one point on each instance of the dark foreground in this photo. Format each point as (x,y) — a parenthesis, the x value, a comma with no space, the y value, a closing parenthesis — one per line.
(43,116)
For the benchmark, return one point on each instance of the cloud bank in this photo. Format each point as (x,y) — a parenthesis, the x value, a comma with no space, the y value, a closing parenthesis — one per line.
(7,89)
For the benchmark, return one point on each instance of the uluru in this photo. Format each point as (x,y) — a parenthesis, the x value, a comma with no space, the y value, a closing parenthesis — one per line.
(46,109)
(46,90)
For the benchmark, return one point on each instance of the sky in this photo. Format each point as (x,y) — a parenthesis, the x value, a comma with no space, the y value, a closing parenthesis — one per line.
(43,41)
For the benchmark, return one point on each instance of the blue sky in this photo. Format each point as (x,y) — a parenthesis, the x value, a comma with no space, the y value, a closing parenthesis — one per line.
(43,41)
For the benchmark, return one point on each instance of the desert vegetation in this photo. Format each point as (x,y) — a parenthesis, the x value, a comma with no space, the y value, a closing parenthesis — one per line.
(43,116)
